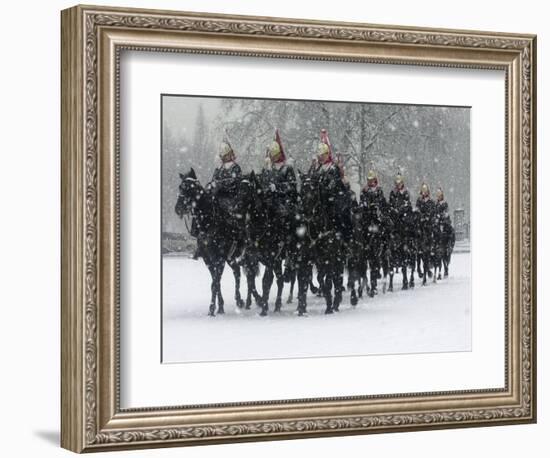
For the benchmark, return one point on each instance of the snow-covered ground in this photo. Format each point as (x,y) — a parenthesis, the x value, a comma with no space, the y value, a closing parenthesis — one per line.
(434,318)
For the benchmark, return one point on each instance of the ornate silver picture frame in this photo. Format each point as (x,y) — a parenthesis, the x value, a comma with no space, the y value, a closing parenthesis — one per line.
(93,41)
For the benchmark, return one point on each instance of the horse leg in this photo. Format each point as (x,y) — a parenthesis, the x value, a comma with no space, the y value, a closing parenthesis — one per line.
(267,281)
(411,279)
(221,310)
(250,287)
(303,285)
(351,286)
(405,281)
(426,268)
(327,287)
(390,286)
(320,280)
(374,274)
(338,287)
(214,292)
(292,282)
(237,274)
(280,283)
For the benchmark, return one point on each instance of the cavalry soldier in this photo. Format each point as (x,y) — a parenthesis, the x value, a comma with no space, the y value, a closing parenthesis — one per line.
(225,185)
(441,206)
(400,201)
(445,235)
(403,239)
(372,195)
(426,209)
(282,190)
(425,205)
(375,228)
(333,192)
(282,179)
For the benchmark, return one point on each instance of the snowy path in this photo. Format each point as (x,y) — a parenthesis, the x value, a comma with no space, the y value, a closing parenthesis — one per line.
(435,318)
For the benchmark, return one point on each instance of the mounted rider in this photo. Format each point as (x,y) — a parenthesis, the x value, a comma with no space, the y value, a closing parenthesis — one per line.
(375,224)
(445,234)
(400,200)
(372,196)
(441,205)
(334,195)
(224,187)
(426,209)
(282,193)
(425,206)
(281,182)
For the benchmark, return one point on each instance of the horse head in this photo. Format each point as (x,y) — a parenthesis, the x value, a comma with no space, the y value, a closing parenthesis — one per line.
(190,191)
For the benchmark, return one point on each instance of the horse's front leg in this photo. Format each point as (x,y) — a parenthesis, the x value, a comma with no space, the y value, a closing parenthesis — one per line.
(214,291)
(338,280)
(327,290)
(280,283)
(221,310)
(405,280)
(267,281)
(237,274)
(304,279)
(291,292)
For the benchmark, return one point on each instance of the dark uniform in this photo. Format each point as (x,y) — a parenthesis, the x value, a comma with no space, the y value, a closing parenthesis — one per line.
(400,201)
(283,190)
(373,199)
(335,198)
(225,186)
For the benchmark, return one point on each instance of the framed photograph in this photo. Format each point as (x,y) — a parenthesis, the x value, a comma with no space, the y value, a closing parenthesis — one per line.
(278,228)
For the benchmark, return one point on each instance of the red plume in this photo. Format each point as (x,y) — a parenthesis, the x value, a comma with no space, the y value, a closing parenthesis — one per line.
(326,141)
(278,140)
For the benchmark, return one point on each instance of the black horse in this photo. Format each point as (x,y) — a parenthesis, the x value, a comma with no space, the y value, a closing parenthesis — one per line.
(444,241)
(376,228)
(403,245)
(250,209)
(218,240)
(334,232)
(357,262)
(305,249)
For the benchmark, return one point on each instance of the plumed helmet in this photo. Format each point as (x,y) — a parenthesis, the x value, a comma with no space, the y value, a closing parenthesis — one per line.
(424,189)
(324,149)
(275,150)
(226,152)
(399,179)
(439,194)
(372,179)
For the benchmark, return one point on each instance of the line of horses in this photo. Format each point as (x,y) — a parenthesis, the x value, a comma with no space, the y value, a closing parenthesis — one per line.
(297,239)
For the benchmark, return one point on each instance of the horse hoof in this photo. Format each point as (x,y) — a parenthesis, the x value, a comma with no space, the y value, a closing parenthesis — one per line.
(390,289)
(289,300)
(430,274)
(439,277)
(221,312)
(240,303)
(328,311)
(405,286)
(263,312)
(353,301)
